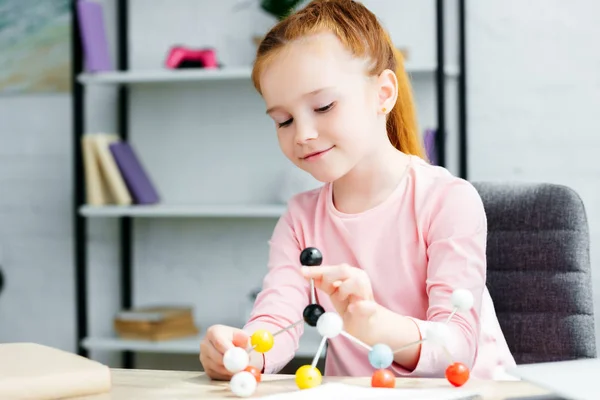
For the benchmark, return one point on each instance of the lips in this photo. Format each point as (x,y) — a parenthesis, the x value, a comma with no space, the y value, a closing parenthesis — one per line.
(316,153)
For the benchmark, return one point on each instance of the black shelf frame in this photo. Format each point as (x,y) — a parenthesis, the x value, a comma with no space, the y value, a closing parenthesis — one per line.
(126,224)
(440,88)
(79,222)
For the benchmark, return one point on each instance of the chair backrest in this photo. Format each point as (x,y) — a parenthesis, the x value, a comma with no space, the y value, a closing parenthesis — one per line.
(539,273)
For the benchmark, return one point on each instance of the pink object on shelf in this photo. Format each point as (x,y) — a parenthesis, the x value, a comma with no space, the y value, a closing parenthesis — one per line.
(185,57)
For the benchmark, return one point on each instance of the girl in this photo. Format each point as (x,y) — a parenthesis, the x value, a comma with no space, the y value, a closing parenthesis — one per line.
(397,234)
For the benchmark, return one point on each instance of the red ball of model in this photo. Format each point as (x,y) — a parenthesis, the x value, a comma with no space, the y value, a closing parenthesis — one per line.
(383,378)
(254,371)
(457,374)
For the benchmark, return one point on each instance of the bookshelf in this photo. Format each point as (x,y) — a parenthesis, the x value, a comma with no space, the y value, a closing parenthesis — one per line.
(126,80)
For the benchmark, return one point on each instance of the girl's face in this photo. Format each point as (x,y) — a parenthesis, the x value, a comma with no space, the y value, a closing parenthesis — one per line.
(324,106)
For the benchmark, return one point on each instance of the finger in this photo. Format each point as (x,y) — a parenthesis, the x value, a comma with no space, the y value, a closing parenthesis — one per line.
(328,272)
(218,368)
(217,376)
(221,343)
(353,286)
(329,278)
(207,363)
(214,361)
(347,288)
(240,339)
(326,285)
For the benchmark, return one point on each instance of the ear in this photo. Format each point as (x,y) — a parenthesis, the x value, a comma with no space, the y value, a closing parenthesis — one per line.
(387,90)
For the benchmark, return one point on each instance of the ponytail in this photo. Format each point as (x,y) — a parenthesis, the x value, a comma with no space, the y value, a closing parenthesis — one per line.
(402,127)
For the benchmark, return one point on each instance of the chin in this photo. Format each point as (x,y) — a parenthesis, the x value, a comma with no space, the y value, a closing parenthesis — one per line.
(328,175)
(327,170)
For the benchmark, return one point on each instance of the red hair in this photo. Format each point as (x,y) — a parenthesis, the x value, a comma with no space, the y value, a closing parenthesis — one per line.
(360,31)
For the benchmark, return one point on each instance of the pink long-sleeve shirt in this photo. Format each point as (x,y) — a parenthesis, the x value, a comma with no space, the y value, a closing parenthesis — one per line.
(425,240)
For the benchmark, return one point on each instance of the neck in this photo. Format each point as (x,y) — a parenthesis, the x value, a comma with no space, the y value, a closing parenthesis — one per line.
(371,181)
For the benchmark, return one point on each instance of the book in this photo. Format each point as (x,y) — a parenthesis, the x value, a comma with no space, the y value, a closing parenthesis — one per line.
(93,36)
(430,146)
(113,173)
(153,326)
(96,189)
(156,323)
(159,336)
(115,182)
(138,183)
(35,371)
(154,314)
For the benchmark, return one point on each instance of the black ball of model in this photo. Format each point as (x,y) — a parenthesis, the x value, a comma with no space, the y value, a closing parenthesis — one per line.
(312,313)
(311,256)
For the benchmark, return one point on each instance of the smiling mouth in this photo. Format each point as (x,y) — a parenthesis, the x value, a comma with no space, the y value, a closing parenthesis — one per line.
(316,153)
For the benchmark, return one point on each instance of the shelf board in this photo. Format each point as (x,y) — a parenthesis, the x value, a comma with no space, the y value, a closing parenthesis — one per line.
(165,75)
(191,210)
(309,344)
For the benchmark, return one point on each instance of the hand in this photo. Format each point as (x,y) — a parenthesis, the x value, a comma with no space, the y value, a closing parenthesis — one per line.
(219,339)
(349,289)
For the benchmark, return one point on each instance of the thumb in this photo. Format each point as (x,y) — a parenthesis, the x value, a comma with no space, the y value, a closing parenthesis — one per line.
(240,339)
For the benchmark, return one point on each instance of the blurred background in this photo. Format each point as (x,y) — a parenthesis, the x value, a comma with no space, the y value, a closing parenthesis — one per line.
(139,172)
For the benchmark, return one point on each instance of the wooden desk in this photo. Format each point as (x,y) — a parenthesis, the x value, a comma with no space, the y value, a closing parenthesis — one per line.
(171,385)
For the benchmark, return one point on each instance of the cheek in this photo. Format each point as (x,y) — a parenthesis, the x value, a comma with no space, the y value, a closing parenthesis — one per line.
(347,126)
(286,143)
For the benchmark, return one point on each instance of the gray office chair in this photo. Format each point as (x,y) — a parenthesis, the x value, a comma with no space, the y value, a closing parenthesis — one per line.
(539,273)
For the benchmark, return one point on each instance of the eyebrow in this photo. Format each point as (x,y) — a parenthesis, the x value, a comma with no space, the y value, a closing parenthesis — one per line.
(271,109)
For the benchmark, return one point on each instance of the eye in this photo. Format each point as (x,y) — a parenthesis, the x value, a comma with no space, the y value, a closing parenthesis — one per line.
(326,108)
(285,123)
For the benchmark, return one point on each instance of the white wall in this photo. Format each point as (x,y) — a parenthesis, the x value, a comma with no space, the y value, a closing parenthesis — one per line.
(534,95)
(533,84)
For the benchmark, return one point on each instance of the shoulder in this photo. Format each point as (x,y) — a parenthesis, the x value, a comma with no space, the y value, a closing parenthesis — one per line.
(445,200)
(296,227)
(306,202)
(301,210)
(434,185)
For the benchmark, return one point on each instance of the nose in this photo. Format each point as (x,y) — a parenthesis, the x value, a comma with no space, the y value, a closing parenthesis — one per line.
(305,131)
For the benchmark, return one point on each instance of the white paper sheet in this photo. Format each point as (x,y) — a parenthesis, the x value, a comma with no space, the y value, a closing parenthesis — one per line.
(332,391)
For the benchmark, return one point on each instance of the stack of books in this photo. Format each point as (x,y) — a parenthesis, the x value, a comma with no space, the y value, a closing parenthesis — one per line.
(113,172)
(156,323)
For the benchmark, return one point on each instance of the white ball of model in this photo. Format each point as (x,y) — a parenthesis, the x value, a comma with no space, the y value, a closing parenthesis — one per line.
(243,384)
(235,359)
(330,325)
(462,299)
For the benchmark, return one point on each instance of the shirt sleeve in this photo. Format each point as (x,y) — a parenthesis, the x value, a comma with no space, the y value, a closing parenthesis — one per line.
(284,295)
(455,230)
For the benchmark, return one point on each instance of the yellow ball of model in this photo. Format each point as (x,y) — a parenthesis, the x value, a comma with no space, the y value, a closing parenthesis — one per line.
(262,341)
(308,377)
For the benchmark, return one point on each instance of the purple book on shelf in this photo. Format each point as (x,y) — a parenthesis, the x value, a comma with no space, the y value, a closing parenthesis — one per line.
(93,36)
(136,179)
(430,147)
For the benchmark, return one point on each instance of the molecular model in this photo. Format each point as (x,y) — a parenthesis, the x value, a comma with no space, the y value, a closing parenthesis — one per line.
(329,325)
